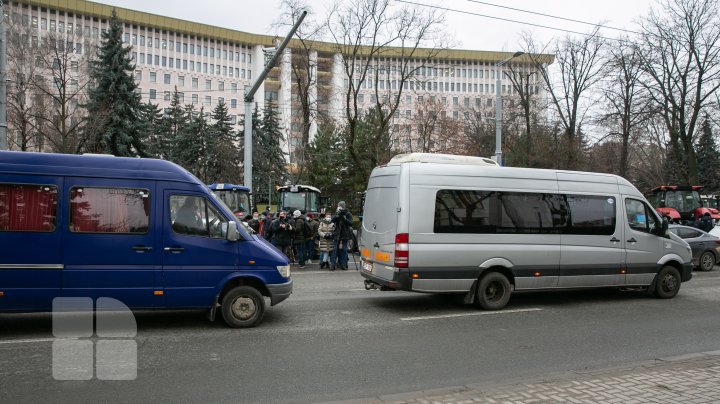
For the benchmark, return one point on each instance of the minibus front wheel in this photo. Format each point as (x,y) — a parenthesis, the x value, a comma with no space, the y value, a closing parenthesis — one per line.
(493,291)
(243,307)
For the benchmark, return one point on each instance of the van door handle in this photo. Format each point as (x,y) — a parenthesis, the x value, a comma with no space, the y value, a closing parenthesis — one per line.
(632,240)
(141,248)
(614,240)
(174,249)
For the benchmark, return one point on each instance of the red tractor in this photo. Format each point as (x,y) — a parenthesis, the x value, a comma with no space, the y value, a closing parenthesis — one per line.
(680,204)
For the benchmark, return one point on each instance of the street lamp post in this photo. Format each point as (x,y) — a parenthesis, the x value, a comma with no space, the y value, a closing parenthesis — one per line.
(498,106)
(270,175)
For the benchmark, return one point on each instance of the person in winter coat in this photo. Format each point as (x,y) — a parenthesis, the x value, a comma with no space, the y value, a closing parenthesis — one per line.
(326,233)
(301,232)
(343,233)
(254,222)
(310,242)
(282,232)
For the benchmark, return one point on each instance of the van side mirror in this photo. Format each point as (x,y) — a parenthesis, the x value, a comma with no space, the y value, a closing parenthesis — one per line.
(231,234)
(664,232)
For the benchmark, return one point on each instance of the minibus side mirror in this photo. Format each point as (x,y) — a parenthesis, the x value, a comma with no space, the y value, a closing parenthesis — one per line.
(664,232)
(231,233)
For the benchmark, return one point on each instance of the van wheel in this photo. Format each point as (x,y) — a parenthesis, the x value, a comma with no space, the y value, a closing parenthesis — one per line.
(243,307)
(707,261)
(667,283)
(493,292)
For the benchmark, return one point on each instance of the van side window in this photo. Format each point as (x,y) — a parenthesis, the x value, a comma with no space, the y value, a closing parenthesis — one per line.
(640,216)
(27,207)
(591,215)
(194,216)
(459,211)
(109,210)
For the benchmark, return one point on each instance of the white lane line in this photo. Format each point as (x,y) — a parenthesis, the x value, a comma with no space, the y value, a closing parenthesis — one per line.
(27,341)
(479,313)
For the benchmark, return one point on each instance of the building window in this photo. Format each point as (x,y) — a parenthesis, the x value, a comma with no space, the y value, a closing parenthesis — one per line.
(208,84)
(166,78)
(233,103)
(153,94)
(194,82)
(233,88)
(153,77)
(208,101)
(194,98)
(181,98)
(167,96)
(221,86)
(181,81)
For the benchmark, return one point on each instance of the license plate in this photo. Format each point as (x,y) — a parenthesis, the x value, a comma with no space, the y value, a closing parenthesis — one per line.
(367,266)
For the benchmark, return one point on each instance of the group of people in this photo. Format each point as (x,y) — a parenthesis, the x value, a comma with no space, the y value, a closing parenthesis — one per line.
(298,235)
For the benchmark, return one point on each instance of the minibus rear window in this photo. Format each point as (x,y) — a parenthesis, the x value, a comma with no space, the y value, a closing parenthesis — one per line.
(28,207)
(109,210)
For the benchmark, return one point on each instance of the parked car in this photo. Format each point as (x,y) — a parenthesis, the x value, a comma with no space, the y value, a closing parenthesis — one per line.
(705,246)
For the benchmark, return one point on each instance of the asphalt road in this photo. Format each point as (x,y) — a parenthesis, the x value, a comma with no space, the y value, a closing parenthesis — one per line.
(333,340)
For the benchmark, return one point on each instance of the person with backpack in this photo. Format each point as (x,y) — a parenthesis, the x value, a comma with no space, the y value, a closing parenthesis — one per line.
(300,236)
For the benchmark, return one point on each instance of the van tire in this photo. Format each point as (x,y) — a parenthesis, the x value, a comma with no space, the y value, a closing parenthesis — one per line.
(243,307)
(667,283)
(706,261)
(493,291)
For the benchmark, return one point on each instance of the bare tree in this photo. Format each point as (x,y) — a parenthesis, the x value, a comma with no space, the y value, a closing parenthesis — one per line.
(627,103)
(579,68)
(22,50)
(386,47)
(680,55)
(63,91)
(304,66)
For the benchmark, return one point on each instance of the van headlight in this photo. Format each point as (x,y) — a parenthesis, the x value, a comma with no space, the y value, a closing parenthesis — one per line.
(284,271)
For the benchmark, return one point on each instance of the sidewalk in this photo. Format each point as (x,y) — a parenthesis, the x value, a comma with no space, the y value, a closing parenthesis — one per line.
(684,379)
(315,266)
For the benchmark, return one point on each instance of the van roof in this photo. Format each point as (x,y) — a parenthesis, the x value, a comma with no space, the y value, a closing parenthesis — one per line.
(104,166)
(438,158)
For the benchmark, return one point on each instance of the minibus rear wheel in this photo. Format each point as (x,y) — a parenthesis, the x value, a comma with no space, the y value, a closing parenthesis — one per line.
(493,291)
(243,307)
(667,283)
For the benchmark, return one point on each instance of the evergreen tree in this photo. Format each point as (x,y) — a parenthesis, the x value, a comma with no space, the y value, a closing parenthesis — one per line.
(174,123)
(190,147)
(114,99)
(328,162)
(268,156)
(708,158)
(149,129)
(223,162)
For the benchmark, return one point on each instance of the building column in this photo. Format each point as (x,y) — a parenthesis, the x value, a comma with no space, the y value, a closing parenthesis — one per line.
(285,99)
(312,95)
(338,89)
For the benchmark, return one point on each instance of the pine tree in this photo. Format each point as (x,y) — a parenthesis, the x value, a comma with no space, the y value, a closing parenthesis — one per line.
(190,146)
(328,161)
(708,159)
(224,166)
(174,122)
(267,153)
(149,129)
(114,99)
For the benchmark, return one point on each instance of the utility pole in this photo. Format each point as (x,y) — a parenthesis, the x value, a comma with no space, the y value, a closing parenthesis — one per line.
(3,79)
(250,94)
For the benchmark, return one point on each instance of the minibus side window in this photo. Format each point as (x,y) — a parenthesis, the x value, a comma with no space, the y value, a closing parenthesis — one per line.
(28,207)
(195,216)
(109,210)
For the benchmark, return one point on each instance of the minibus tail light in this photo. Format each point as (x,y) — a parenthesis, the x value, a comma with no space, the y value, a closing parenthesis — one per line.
(402,250)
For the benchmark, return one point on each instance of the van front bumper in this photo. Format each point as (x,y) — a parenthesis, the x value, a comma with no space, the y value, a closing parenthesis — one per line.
(687,271)
(279,291)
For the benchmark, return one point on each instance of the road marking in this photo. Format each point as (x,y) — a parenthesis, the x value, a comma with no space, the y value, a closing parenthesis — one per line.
(479,313)
(27,341)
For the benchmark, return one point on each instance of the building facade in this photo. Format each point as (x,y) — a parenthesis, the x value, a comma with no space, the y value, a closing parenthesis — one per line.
(207,64)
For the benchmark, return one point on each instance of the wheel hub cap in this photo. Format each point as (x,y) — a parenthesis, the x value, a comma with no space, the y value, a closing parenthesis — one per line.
(243,308)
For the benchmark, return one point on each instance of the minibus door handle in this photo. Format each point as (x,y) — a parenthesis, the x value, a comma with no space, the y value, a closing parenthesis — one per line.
(632,240)
(174,249)
(614,240)
(141,248)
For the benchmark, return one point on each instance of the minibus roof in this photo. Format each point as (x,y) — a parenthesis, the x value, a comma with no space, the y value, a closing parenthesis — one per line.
(92,165)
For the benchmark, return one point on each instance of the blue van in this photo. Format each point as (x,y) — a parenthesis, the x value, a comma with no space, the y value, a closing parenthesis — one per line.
(143,231)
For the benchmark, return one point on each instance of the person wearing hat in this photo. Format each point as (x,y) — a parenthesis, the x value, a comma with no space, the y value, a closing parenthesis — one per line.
(300,236)
(343,233)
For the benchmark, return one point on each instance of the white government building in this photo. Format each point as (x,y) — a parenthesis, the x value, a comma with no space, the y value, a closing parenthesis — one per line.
(208,63)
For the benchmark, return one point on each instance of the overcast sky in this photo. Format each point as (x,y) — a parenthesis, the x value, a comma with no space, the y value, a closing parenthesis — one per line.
(470,31)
